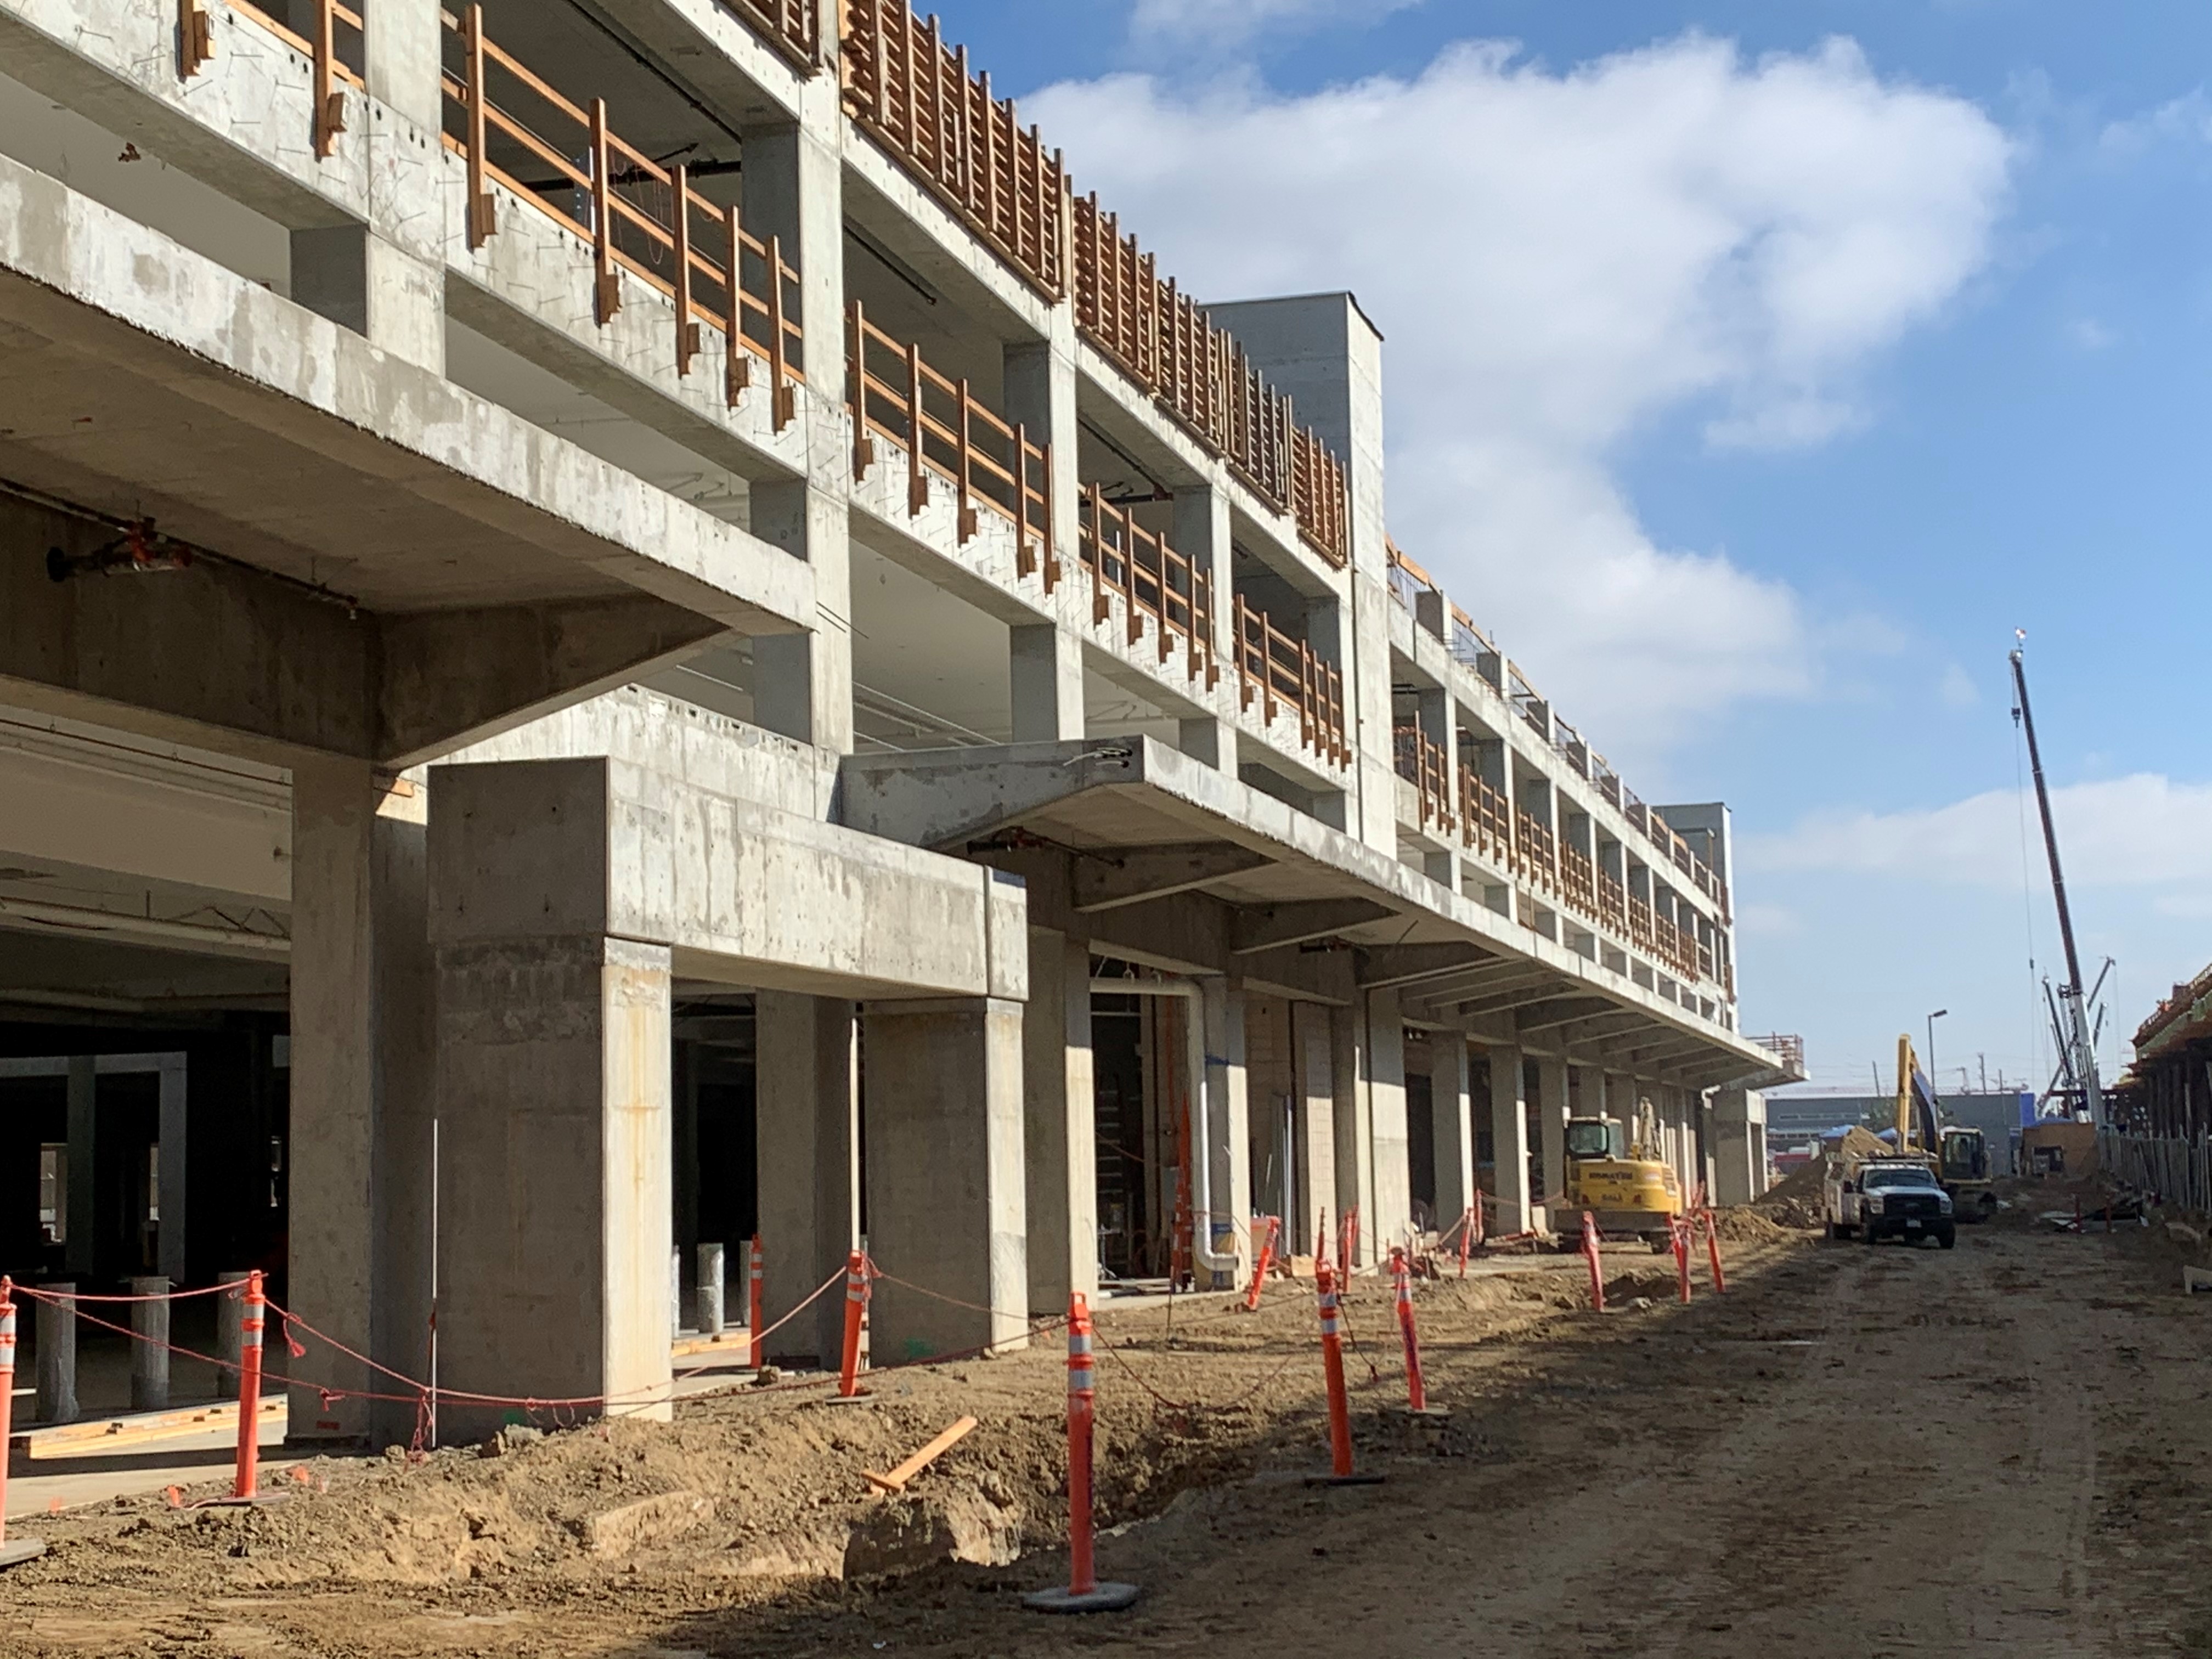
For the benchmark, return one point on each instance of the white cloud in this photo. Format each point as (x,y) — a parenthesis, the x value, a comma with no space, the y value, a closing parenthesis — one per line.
(1768,922)
(1957,689)
(2090,335)
(2186,119)
(2146,831)
(1232,22)
(1558,259)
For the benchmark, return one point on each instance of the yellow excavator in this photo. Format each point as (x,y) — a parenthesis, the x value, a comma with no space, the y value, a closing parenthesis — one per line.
(1627,1185)
(1959,1154)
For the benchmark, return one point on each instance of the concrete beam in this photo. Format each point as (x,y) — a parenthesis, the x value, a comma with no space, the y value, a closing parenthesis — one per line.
(1406,964)
(1499,1002)
(744,893)
(1298,924)
(450,677)
(1485,977)
(232,659)
(1558,1011)
(1621,1022)
(1138,874)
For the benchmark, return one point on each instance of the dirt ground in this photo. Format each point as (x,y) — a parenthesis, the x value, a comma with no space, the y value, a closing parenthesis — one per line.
(1858,1451)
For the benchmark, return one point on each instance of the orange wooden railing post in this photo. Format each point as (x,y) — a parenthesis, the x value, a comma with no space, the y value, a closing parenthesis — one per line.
(783,403)
(482,217)
(737,368)
(606,289)
(687,331)
(1713,1253)
(329,113)
(1679,1233)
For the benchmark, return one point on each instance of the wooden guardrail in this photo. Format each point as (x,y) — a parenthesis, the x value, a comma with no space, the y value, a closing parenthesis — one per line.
(332,47)
(794,27)
(1279,670)
(916,95)
(1486,820)
(944,428)
(1420,761)
(1164,343)
(1469,646)
(1155,582)
(635,215)
(1538,849)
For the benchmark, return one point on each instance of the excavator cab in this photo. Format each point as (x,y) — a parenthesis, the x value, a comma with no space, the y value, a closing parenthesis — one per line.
(1596,1137)
(1965,1155)
(1964,1169)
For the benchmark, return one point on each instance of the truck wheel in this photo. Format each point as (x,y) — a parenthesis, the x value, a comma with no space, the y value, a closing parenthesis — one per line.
(1948,1238)
(1866,1232)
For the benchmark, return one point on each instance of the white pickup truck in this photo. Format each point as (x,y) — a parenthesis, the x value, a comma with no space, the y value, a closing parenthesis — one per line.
(1879,1198)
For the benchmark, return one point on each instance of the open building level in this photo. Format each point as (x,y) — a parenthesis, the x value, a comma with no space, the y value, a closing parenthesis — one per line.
(627,621)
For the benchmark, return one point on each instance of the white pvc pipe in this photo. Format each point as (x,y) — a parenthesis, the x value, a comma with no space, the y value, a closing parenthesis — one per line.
(1201,1144)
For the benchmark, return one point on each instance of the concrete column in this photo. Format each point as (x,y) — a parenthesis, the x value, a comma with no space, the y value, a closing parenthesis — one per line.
(1355,1145)
(149,1355)
(54,1326)
(1739,1150)
(400,44)
(1508,1139)
(710,1287)
(83,1206)
(1201,533)
(385,278)
(1385,1223)
(363,1111)
(1314,1116)
(1041,381)
(1045,666)
(391,296)
(1433,715)
(555,1236)
(945,1175)
(1060,1132)
(794,191)
(553,1084)
(1551,1123)
(1229,1125)
(803,683)
(1454,1126)
(684,1149)
(1328,357)
(806,1130)
(175,1157)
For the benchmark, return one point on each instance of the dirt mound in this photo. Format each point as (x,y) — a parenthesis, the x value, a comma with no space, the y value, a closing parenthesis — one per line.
(1741,1224)
(1796,1200)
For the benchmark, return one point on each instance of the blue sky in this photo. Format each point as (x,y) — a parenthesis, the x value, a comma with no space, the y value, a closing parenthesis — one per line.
(1793,354)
